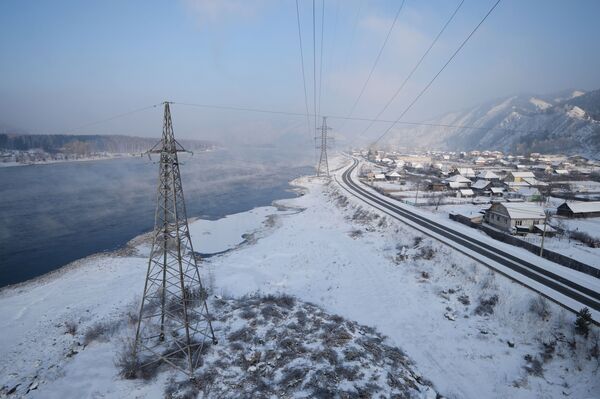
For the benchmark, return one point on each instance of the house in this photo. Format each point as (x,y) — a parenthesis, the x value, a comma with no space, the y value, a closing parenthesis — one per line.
(465,193)
(481,187)
(518,177)
(457,181)
(394,176)
(579,209)
(379,176)
(436,186)
(497,191)
(466,172)
(480,161)
(488,175)
(515,217)
(546,230)
(561,172)
(528,193)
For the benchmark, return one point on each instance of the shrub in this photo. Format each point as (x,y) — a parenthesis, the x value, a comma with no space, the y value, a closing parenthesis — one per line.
(99,331)
(127,361)
(486,305)
(281,300)
(583,321)
(540,307)
(71,327)
(243,334)
(534,366)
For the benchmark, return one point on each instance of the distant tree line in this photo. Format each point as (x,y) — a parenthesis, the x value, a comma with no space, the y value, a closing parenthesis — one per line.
(85,144)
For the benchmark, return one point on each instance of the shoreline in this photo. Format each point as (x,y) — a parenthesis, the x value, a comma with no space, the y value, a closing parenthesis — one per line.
(135,246)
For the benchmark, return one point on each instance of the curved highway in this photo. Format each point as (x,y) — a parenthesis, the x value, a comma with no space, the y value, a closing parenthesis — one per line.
(486,254)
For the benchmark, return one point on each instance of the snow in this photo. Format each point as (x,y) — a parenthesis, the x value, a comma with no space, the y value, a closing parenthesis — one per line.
(540,104)
(583,206)
(329,252)
(576,112)
(214,236)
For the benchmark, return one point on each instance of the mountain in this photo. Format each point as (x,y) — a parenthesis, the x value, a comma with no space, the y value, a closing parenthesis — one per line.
(566,122)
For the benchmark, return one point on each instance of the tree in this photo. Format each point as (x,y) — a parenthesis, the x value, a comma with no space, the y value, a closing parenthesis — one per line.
(583,322)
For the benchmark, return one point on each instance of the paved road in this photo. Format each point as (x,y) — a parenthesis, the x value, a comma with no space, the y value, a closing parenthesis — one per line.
(485,253)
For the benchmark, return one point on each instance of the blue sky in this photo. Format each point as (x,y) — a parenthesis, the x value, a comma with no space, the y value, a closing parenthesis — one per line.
(68,63)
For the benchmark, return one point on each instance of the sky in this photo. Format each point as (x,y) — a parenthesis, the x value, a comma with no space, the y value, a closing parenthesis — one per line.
(68,64)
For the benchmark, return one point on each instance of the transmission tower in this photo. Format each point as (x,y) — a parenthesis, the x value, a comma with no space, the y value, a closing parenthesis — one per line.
(174,324)
(322,144)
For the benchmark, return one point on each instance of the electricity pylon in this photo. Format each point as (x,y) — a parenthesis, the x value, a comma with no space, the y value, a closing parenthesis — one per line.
(174,323)
(322,143)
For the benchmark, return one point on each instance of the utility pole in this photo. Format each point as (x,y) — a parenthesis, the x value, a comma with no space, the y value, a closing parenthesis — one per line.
(544,233)
(322,143)
(417,194)
(174,324)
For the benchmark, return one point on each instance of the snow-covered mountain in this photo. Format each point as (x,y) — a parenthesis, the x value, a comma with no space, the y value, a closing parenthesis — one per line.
(567,122)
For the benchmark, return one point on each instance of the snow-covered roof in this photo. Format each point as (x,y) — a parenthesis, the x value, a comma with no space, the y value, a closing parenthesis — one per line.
(497,190)
(394,174)
(561,171)
(454,184)
(457,179)
(379,176)
(534,181)
(488,174)
(523,174)
(549,229)
(469,172)
(466,192)
(523,210)
(480,184)
(583,207)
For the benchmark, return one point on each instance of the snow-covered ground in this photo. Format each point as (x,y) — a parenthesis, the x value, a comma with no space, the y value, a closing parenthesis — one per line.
(473,333)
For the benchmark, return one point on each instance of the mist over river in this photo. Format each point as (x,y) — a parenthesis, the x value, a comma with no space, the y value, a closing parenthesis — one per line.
(53,214)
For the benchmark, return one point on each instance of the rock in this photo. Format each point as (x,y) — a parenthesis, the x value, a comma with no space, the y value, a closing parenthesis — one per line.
(449,316)
(510,343)
(484,332)
(32,386)
(13,389)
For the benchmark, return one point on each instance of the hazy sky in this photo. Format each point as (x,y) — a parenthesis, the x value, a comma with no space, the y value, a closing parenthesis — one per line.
(68,63)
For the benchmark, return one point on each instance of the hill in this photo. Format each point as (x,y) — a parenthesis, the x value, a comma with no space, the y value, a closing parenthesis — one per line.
(566,122)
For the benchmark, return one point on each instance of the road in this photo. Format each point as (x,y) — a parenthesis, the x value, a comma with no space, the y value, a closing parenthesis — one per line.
(548,280)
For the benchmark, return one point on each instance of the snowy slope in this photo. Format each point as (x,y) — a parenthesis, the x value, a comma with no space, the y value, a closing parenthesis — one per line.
(556,123)
(432,302)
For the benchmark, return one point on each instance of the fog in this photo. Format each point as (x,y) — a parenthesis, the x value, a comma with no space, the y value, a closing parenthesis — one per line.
(71,63)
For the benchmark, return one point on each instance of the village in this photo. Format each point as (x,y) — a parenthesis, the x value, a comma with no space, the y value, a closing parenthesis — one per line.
(548,204)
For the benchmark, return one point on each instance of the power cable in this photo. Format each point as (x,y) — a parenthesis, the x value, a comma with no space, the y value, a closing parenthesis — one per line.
(135,111)
(387,37)
(439,72)
(302,62)
(391,100)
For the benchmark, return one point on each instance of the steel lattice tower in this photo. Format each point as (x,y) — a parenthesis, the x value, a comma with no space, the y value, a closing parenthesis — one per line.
(174,323)
(323,165)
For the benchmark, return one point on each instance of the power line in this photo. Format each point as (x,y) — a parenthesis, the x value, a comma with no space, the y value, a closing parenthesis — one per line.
(302,62)
(291,113)
(387,37)
(321,57)
(314,65)
(439,72)
(391,100)
(135,111)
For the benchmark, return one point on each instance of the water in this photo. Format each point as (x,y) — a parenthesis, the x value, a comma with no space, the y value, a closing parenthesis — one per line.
(53,214)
